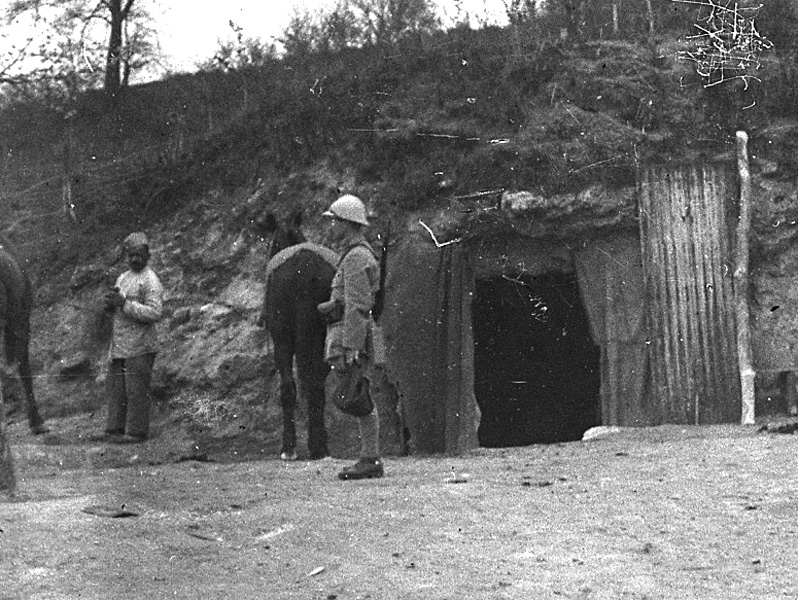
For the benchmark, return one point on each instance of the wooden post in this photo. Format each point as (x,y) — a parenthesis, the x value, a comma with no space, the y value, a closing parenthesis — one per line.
(747,372)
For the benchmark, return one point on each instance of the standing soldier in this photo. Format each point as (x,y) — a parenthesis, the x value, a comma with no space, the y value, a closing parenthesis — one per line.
(349,347)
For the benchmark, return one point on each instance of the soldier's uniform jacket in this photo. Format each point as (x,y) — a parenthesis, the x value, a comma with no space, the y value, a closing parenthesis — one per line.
(355,284)
(134,329)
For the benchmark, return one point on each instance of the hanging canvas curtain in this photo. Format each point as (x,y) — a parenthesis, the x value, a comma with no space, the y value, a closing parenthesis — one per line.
(430,346)
(611,286)
(686,224)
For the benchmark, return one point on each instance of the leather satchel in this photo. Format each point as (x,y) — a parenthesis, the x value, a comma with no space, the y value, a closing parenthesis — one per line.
(349,390)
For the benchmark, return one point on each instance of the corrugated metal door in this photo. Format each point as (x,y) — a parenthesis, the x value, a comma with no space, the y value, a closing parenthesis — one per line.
(687,218)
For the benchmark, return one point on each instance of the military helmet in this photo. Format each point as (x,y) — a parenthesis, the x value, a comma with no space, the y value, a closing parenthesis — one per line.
(349,208)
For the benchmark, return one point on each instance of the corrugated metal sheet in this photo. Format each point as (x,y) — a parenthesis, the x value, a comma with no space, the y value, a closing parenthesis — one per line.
(687,246)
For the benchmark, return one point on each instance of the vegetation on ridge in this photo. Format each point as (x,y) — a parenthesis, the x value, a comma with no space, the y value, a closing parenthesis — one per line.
(419,120)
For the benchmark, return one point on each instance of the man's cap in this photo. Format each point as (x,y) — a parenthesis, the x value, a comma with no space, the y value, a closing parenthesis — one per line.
(136,239)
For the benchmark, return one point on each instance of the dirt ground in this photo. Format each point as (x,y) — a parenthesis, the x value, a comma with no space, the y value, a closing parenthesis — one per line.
(661,513)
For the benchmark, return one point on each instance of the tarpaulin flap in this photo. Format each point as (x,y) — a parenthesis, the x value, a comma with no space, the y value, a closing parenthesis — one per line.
(611,284)
(611,281)
(430,349)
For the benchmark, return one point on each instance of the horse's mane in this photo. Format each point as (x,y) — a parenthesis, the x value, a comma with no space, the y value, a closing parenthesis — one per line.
(284,255)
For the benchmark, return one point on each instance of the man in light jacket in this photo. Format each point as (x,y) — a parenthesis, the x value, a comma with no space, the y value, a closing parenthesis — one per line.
(136,301)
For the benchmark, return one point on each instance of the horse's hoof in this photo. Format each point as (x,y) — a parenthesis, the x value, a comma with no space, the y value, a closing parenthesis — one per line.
(39,429)
(288,456)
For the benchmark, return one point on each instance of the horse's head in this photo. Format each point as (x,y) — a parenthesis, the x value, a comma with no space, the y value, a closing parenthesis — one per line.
(282,235)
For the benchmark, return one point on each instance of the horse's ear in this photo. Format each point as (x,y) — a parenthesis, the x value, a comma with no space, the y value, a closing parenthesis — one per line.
(266,224)
(270,223)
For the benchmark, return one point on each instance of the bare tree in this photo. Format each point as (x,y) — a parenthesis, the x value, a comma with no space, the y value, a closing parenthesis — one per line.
(118,11)
(124,48)
(12,58)
(54,67)
(140,44)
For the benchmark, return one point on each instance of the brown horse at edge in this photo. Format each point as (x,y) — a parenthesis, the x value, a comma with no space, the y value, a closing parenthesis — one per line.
(16,303)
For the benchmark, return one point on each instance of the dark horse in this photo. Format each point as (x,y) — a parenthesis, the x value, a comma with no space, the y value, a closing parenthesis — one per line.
(16,303)
(298,277)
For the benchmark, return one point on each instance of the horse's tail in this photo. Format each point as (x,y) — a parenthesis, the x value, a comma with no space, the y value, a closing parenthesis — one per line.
(16,300)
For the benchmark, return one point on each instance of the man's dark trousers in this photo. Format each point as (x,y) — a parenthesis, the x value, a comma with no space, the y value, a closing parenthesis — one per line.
(128,391)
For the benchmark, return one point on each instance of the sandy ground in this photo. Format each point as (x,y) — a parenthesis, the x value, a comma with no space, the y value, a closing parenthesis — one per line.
(662,513)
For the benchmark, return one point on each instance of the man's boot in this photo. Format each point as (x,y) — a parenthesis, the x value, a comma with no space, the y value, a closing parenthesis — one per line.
(365,468)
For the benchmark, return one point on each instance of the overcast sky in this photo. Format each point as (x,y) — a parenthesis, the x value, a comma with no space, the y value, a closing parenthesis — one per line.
(190,34)
(189,31)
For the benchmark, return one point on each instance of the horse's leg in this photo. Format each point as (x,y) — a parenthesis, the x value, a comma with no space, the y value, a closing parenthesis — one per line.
(312,372)
(7,479)
(19,352)
(35,421)
(284,360)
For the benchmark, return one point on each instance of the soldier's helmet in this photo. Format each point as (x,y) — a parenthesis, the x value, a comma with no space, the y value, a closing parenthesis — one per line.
(349,208)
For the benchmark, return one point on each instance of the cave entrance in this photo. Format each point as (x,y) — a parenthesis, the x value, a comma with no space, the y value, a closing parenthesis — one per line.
(536,370)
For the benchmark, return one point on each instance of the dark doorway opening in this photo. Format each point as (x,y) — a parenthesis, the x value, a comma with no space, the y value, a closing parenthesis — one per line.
(536,371)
